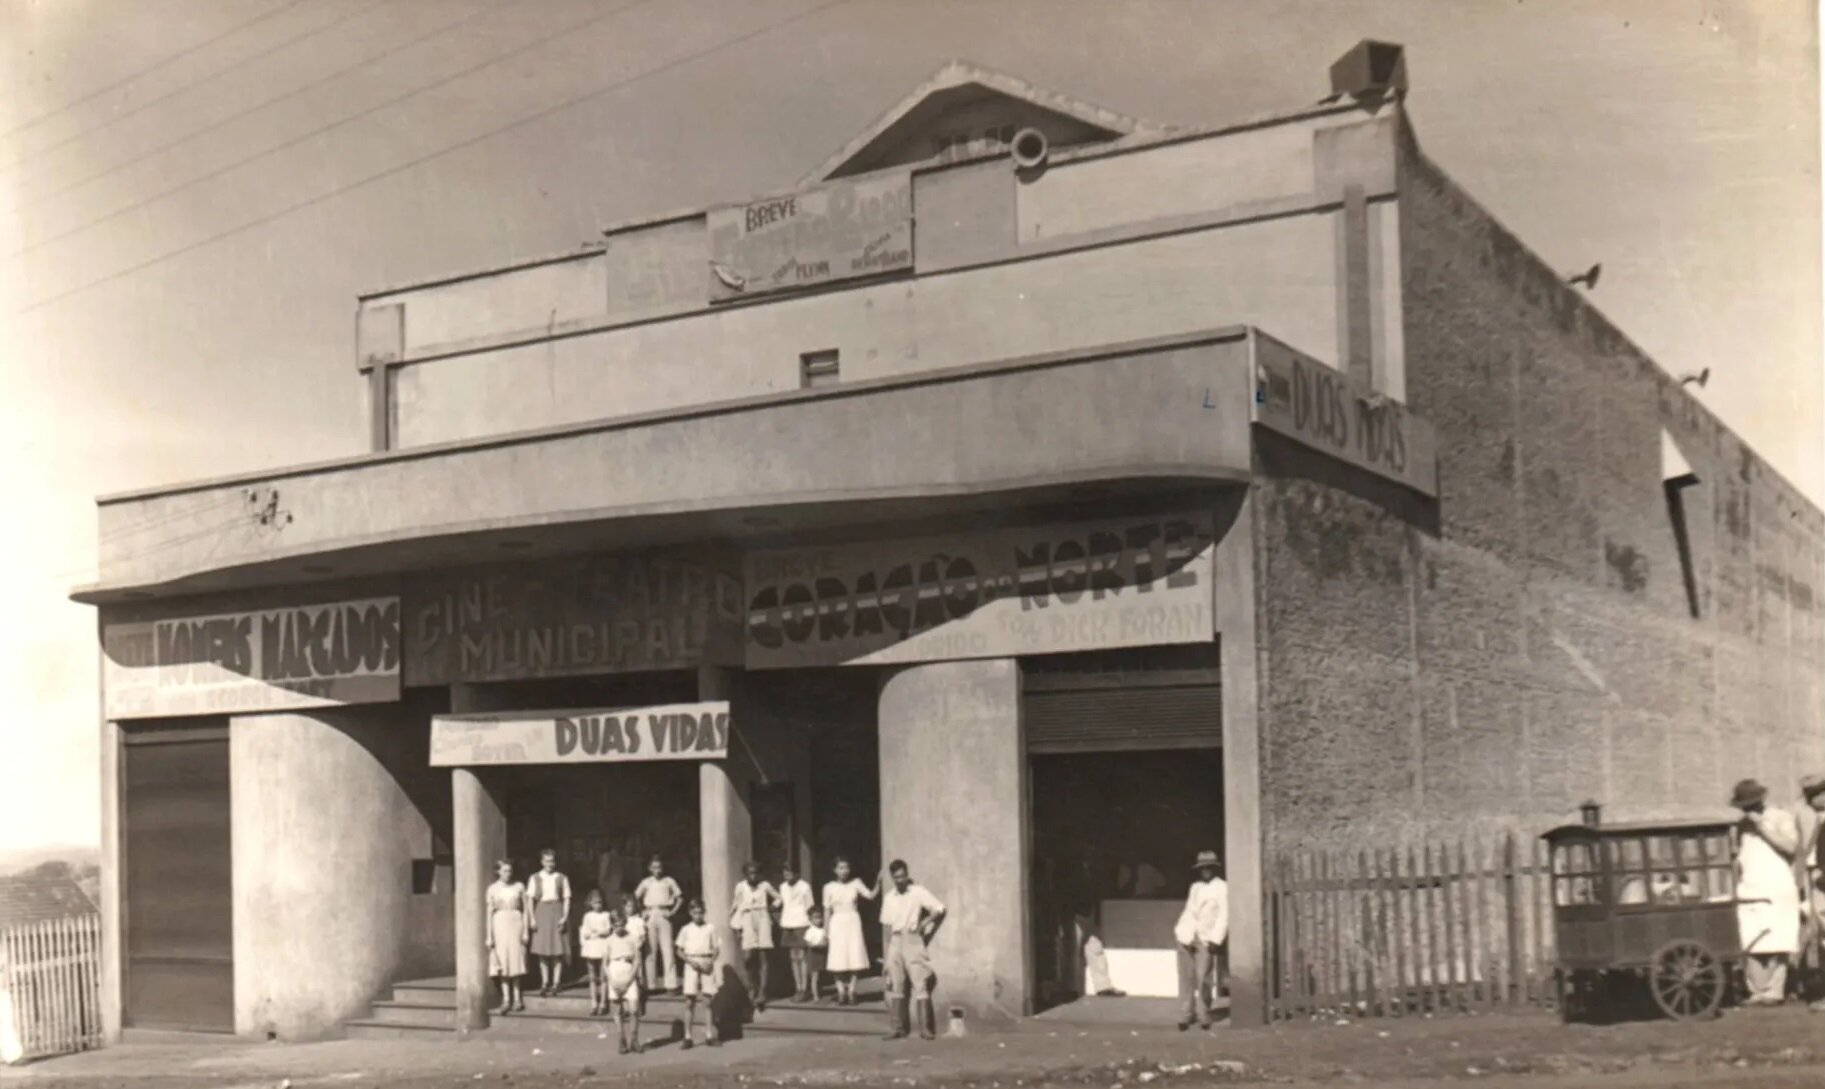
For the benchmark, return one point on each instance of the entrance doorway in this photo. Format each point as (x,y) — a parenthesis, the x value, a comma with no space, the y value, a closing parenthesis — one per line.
(603,820)
(1114,834)
(178,882)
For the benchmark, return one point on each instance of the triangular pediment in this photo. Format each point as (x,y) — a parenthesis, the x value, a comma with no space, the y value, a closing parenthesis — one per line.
(964,108)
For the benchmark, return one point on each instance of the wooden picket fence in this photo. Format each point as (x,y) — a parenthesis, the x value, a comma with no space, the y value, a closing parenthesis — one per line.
(1392,932)
(51,974)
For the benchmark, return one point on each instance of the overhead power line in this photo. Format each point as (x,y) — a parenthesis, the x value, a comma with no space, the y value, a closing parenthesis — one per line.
(188,87)
(124,80)
(269,103)
(422,159)
(351,118)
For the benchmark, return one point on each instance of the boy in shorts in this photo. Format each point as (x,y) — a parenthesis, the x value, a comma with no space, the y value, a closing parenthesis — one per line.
(698,945)
(621,970)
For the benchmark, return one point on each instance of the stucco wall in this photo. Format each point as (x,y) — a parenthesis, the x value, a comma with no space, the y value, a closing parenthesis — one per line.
(1103,245)
(330,809)
(1527,643)
(1277,274)
(1076,420)
(953,790)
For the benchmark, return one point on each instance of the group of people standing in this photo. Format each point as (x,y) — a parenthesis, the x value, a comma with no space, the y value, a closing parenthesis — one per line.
(633,950)
(1780,890)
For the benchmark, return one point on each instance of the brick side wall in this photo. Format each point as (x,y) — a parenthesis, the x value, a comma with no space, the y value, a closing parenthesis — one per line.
(1528,643)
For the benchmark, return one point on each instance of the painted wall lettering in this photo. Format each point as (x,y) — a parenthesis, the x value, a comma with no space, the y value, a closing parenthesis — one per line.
(596,615)
(301,656)
(1323,409)
(838,231)
(680,731)
(1107,584)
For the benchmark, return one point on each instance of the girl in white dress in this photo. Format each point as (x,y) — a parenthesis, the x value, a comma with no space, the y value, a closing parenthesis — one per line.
(848,949)
(592,935)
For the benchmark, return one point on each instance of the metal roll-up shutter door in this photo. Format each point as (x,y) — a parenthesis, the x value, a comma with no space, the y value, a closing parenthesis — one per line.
(178,881)
(1113,718)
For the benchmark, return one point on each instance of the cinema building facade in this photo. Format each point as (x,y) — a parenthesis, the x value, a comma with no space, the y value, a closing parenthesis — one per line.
(1035,494)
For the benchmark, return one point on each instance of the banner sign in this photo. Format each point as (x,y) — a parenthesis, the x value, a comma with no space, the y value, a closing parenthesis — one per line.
(673,731)
(601,614)
(264,660)
(840,231)
(1322,408)
(1127,582)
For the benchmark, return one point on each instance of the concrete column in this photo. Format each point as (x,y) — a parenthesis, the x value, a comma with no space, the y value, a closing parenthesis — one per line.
(113,866)
(725,828)
(1234,607)
(953,805)
(478,838)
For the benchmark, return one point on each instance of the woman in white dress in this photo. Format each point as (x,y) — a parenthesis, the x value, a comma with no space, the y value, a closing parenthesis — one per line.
(848,949)
(509,929)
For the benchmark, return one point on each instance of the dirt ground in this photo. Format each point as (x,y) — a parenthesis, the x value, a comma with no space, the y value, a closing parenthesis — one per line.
(1763,1049)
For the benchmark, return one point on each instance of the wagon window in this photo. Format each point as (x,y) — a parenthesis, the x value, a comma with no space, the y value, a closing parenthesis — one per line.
(1719,879)
(1576,875)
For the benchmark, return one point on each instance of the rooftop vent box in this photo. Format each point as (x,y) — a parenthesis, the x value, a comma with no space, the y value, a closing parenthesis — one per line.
(1370,68)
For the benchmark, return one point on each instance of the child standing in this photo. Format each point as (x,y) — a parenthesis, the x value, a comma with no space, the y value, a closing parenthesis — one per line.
(549,892)
(624,985)
(795,903)
(636,926)
(752,918)
(817,946)
(659,896)
(593,931)
(698,945)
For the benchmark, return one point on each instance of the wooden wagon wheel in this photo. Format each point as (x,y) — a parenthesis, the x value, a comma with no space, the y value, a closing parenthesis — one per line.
(1687,980)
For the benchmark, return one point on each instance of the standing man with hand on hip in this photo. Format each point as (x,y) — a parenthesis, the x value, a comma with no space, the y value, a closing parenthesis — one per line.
(910,915)
(1202,929)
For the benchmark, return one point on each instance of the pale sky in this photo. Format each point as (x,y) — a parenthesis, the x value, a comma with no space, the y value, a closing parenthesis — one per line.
(192,192)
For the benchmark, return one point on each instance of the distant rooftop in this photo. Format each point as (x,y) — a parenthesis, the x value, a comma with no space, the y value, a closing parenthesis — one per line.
(32,898)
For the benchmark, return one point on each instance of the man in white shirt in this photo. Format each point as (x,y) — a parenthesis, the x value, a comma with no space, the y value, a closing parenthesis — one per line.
(659,897)
(1202,929)
(910,916)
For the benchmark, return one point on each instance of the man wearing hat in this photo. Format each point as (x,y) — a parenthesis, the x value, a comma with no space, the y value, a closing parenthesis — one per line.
(1768,898)
(1809,870)
(1202,929)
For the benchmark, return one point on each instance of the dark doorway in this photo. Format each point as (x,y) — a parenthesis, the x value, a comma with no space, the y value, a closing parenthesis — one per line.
(1113,826)
(178,882)
(604,820)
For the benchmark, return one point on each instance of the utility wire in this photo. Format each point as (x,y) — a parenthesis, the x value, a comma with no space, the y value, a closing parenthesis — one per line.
(268,104)
(205,81)
(295,141)
(179,55)
(458,146)
(144,524)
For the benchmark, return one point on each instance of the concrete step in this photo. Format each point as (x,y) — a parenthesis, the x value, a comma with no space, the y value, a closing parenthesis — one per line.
(367,1029)
(414,1013)
(429,1005)
(426,994)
